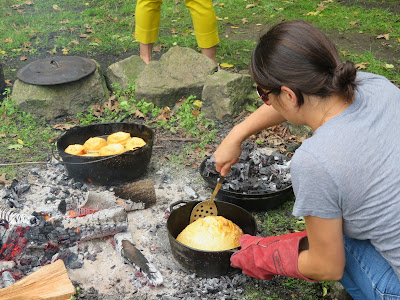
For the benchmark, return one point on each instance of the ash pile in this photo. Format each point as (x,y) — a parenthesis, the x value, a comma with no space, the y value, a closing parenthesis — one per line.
(258,171)
(45,220)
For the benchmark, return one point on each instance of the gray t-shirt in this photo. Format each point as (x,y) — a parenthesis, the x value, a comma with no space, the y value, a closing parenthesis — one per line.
(350,168)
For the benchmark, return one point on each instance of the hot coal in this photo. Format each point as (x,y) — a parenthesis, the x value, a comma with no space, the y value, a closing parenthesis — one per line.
(258,171)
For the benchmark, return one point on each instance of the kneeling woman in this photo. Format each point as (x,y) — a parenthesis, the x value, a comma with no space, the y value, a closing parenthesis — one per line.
(346,177)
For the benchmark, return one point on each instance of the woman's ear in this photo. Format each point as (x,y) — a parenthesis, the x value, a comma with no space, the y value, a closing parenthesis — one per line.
(288,95)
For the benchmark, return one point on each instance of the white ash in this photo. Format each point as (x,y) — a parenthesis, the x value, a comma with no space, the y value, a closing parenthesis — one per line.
(95,265)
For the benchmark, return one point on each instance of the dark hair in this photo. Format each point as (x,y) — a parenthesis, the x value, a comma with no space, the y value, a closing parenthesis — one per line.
(298,55)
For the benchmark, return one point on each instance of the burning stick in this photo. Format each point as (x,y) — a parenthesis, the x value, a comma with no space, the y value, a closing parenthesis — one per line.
(17,219)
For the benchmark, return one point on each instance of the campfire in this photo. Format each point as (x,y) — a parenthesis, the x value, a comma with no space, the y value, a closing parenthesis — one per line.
(39,231)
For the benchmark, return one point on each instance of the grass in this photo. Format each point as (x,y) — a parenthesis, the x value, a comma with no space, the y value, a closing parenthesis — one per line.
(92,27)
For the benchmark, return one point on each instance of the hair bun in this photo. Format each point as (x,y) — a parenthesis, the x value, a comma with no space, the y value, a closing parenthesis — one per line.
(344,78)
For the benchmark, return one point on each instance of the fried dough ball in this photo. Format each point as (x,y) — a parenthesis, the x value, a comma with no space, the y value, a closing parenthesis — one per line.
(119,137)
(134,142)
(94,144)
(75,149)
(112,149)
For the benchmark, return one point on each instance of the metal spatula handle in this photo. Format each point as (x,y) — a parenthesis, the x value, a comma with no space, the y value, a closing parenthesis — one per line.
(217,187)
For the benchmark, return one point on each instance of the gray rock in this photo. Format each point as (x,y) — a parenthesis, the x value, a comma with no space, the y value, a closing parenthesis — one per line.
(300,130)
(180,72)
(123,73)
(62,99)
(226,94)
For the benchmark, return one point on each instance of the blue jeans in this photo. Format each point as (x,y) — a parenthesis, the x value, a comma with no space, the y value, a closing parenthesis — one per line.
(367,275)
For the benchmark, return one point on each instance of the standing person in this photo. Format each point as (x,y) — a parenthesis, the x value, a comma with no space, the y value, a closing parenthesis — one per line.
(346,177)
(204,23)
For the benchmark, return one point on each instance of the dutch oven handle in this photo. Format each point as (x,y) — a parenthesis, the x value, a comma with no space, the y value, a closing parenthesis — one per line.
(172,206)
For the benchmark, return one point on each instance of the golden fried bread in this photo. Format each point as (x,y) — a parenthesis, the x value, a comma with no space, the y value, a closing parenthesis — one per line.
(75,149)
(112,149)
(212,233)
(94,144)
(119,137)
(134,142)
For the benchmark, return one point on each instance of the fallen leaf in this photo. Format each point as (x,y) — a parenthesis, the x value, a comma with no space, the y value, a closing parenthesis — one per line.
(389,66)
(8,82)
(73,42)
(21,142)
(234,27)
(165,114)
(8,40)
(157,48)
(353,23)
(226,65)
(244,21)
(2,135)
(197,103)
(56,7)
(15,147)
(362,65)
(3,179)
(251,5)
(63,126)
(218,18)
(22,58)
(64,22)
(138,114)
(84,36)
(27,3)
(174,31)
(383,36)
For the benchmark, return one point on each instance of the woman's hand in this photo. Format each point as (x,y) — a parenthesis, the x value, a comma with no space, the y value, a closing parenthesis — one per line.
(226,155)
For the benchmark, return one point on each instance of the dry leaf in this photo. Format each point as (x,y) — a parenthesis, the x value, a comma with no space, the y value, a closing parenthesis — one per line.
(8,40)
(2,135)
(138,114)
(3,179)
(64,21)
(250,5)
(84,36)
(244,21)
(157,49)
(27,3)
(383,36)
(22,58)
(8,82)
(353,23)
(165,114)
(362,65)
(63,126)
(73,42)
(174,31)
(234,27)
(56,7)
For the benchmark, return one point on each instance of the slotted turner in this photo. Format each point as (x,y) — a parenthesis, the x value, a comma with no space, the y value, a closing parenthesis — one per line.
(208,207)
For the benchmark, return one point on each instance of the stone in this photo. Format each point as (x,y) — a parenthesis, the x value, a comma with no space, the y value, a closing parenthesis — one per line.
(123,73)
(179,73)
(59,100)
(226,94)
(300,130)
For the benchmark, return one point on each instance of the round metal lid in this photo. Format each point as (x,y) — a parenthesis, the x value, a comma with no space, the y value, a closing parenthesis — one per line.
(56,70)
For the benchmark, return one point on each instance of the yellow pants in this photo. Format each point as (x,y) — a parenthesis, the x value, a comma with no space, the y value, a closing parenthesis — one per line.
(203,16)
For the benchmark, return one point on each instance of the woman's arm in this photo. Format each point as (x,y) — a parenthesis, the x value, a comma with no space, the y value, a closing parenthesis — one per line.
(325,257)
(229,151)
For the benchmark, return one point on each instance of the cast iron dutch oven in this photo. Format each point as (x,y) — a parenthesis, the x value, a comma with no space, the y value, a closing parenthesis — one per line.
(252,202)
(207,264)
(106,170)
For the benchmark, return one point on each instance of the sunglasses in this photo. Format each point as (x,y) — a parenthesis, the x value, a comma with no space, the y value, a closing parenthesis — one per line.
(263,95)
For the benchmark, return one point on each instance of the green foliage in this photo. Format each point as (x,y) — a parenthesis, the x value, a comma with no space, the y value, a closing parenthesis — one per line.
(21,135)
(280,220)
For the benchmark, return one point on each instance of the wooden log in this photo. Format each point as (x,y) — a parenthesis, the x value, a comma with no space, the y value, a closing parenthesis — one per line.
(141,191)
(51,282)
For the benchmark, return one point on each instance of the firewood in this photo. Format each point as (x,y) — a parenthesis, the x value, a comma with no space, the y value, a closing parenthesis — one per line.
(141,191)
(51,282)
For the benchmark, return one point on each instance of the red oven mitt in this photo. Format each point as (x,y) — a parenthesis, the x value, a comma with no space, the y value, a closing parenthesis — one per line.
(264,257)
